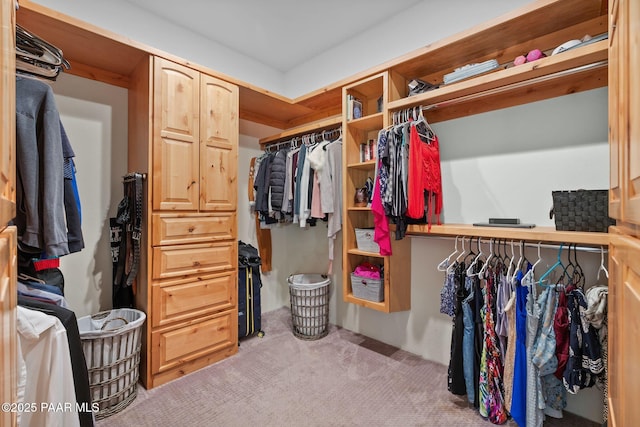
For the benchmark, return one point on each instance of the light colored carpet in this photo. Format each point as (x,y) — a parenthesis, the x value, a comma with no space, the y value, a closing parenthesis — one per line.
(343,379)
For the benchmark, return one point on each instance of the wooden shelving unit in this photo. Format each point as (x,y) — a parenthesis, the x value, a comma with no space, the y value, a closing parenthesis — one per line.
(397,268)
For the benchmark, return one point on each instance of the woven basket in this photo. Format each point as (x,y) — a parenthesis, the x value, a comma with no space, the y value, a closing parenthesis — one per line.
(581,210)
(111,345)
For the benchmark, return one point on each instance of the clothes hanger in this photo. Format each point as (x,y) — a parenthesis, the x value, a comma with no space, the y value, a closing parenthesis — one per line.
(421,119)
(444,264)
(24,276)
(470,272)
(557,264)
(483,269)
(579,273)
(511,264)
(518,265)
(602,268)
(530,272)
(450,268)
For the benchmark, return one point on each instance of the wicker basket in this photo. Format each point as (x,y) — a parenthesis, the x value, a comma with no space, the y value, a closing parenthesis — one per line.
(111,344)
(310,295)
(581,210)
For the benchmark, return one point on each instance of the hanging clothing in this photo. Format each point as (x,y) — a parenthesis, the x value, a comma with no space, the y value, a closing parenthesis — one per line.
(425,177)
(519,396)
(276,182)
(585,356)
(510,355)
(304,180)
(447,294)
(596,316)
(535,415)
(491,393)
(503,292)
(45,374)
(334,207)
(72,206)
(40,216)
(456,380)
(381,235)
(76,352)
(554,396)
(561,331)
(261,185)
(469,360)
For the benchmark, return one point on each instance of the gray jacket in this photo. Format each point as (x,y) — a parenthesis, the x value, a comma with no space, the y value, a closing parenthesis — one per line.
(40,216)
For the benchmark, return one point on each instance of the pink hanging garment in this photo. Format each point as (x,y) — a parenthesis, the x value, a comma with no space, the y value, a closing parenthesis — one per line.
(381,233)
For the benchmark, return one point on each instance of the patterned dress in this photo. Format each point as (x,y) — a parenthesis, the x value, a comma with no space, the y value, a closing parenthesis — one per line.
(491,370)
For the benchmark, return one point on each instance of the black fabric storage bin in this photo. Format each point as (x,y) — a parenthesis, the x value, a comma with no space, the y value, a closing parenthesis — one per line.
(581,210)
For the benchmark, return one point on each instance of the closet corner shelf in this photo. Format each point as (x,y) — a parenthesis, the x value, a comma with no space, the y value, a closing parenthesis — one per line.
(544,78)
(542,234)
(359,209)
(371,121)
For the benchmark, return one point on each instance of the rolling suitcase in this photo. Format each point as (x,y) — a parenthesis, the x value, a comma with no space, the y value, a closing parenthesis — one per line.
(249,284)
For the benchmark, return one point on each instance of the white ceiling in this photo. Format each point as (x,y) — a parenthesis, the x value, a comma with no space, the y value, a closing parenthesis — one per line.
(279,33)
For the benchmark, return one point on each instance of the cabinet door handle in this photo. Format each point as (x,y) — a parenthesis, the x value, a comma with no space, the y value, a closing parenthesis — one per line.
(190,185)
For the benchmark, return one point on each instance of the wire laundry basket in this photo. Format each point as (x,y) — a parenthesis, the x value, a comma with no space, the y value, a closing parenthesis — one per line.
(309,295)
(111,343)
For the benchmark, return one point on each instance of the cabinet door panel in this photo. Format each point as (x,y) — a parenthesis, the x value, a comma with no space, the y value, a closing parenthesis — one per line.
(624,328)
(616,112)
(632,185)
(175,138)
(219,144)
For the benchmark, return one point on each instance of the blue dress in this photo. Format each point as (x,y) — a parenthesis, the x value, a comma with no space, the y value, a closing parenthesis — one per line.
(519,395)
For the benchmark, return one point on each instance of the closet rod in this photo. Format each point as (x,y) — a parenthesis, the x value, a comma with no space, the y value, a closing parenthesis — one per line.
(529,244)
(512,86)
(320,133)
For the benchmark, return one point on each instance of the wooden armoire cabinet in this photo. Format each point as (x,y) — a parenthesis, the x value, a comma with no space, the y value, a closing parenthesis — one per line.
(191,271)
(624,206)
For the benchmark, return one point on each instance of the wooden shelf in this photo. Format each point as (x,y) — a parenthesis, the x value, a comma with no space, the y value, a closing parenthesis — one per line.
(364,253)
(359,209)
(372,121)
(379,306)
(573,71)
(369,164)
(536,234)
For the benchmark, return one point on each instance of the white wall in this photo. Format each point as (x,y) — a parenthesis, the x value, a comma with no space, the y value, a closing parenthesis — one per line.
(95,117)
